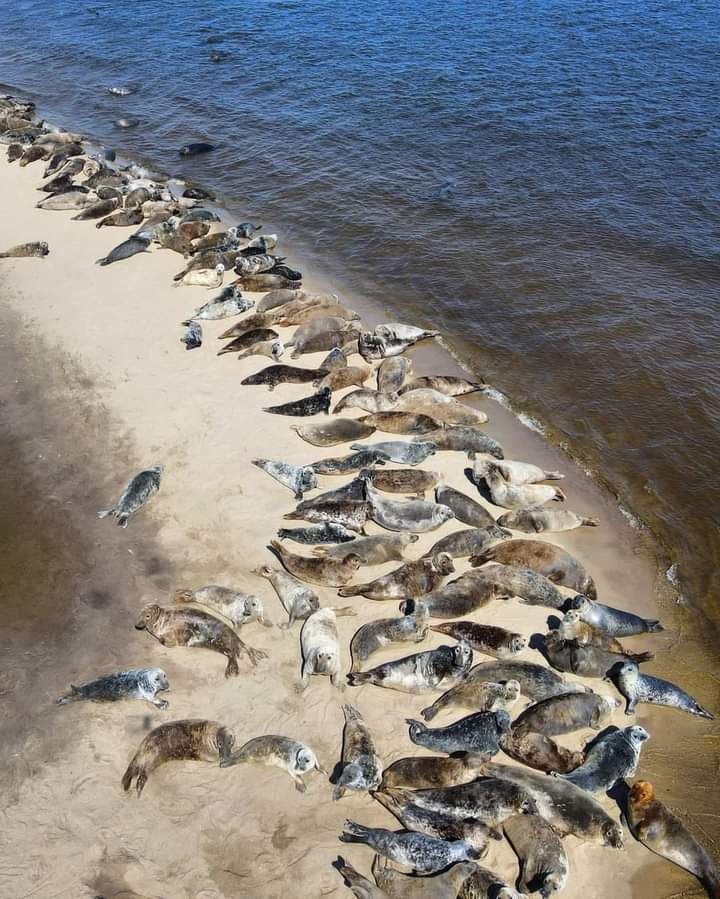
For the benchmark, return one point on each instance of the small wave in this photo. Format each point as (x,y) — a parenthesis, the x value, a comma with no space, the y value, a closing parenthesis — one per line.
(531,423)
(631,519)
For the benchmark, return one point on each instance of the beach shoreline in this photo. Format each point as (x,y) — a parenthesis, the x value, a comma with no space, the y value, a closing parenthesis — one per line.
(118,329)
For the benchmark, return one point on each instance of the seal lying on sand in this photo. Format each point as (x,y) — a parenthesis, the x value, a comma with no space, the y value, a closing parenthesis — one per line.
(511,580)
(361,766)
(655,826)
(511,497)
(416,516)
(192,338)
(537,519)
(340,430)
(584,660)
(515,473)
(327,532)
(280,752)
(610,758)
(130,247)
(565,714)
(400,451)
(376,549)
(384,631)
(540,752)
(141,488)
(136,683)
(298,600)
(403,480)
(411,579)
(191,627)
(295,477)
(391,374)
(637,687)
(464,439)
(468,542)
(309,405)
(320,648)
(435,669)
(432,772)
(446,384)
(364,459)
(572,627)
(324,571)
(240,608)
(486,638)
(467,510)
(250,339)
(536,681)
(480,733)
(193,739)
(615,622)
(401,422)
(481,696)
(543,861)
(37,248)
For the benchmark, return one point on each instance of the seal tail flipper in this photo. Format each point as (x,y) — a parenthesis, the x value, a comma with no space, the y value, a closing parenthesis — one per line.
(69,697)
(343,611)
(358,678)
(654,626)
(702,712)
(356,590)
(590,522)
(184,595)
(106,513)
(429,713)
(354,833)
(102,261)
(553,476)
(641,656)
(709,879)
(133,770)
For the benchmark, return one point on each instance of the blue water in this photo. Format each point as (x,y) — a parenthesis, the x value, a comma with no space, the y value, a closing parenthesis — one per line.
(539,180)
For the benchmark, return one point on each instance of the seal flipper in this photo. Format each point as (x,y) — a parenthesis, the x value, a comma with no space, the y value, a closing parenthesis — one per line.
(106,513)
(358,678)
(354,833)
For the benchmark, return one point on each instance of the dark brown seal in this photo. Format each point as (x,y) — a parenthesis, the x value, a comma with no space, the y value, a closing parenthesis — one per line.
(433,772)
(402,480)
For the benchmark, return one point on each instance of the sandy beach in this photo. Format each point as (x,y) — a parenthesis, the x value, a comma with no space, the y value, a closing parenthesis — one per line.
(96,386)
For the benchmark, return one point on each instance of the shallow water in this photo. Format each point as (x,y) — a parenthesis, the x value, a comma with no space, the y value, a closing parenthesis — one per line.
(538,181)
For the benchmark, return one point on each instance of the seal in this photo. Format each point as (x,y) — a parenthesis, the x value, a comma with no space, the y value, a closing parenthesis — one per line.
(410,579)
(540,752)
(359,886)
(401,422)
(511,497)
(325,571)
(567,808)
(297,478)
(655,826)
(341,430)
(440,407)
(62,202)
(391,374)
(361,766)
(435,669)
(309,405)
(536,520)
(486,638)
(468,542)
(314,328)
(227,303)
(327,532)
(399,331)
(273,349)
(320,648)
(194,739)
(490,799)
(610,758)
(336,359)
(349,513)
(96,210)
(191,627)
(572,627)
(396,885)
(275,298)
(192,338)
(376,634)
(480,732)
(282,374)
(460,597)
(404,480)
(37,248)
(366,399)
(250,339)
(637,687)
(239,608)
(584,660)
(353,490)
(130,247)
(466,510)
(450,386)
(524,583)
(347,376)
(432,772)
(537,682)
(416,851)
(464,439)
(254,322)
(298,600)
(267,281)
(196,149)
(202,277)
(121,218)
(136,683)
(552,561)
(481,696)
(140,490)
(543,862)
(401,452)
(515,473)
(565,714)
(353,462)
(417,516)
(371,346)
(376,549)
(483,882)
(279,752)
(611,621)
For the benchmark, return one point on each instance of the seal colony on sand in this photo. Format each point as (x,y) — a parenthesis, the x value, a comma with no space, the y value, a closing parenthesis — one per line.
(465,798)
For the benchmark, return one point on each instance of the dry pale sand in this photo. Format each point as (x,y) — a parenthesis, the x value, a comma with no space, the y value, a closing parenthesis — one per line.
(97,385)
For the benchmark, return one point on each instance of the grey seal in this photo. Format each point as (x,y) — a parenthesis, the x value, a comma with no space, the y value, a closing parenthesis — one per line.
(320,648)
(399,331)
(511,580)
(376,549)
(227,303)
(361,766)
(402,422)
(610,758)
(543,861)
(194,739)
(536,520)
(540,752)
(282,374)
(372,346)
(353,462)
(327,532)
(126,249)
(447,384)
(515,473)
(416,851)
(38,248)
(572,627)
(366,399)
(324,571)
(435,669)
(552,561)
(565,713)
(193,336)
(298,600)
(417,516)
(432,771)
(464,439)
(488,639)
(637,687)
(96,210)
(467,510)
(480,732)
(468,542)
(585,660)
(196,149)
(461,596)
(135,683)
(240,608)
(340,430)
(249,340)
(139,491)
(404,480)
(347,376)
(279,752)
(400,451)
(615,622)
(480,696)
(309,405)
(380,633)
(410,579)
(510,496)
(391,374)
(536,681)
(486,884)
(297,478)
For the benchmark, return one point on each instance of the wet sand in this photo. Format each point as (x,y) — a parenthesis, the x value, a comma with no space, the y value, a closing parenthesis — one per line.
(104,387)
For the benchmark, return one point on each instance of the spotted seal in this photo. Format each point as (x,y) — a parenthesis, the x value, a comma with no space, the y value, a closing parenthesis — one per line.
(193,336)
(484,883)
(251,339)
(194,739)
(401,422)
(572,627)
(327,532)
(297,478)
(537,682)
(366,399)
(404,480)
(38,248)
(327,572)
(282,374)
(515,473)
(417,516)
(392,372)
(139,491)
(279,752)
(565,713)
(480,732)
(340,430)
(511,580)
(585,660)
(136,683)
(363,459)
(464,439)
(376,549)
(655,826)
(309,405)
(128,248)
(543,862)
(380,633)
(488,639)
(552,561)
(410,579)
(348,376)
(466,510)
(298,600)
(537,519)
(400,451)
(480,696)
(637,687)
(361,766)
(615,622)
(240,608)
(435,669)
(320,648)
(416,851)
(459,597)
(468,542)
(196,149)
(610,758)
(191,627)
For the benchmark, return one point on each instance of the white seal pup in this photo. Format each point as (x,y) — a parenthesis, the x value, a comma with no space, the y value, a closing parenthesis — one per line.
(516,473)
(511,497)
(202,277)
(135,683)
(417,516)
(615,622)
(298,478)
(279,752)
(415,851)
(480,732)
(543,861)
(535,520)
(298,600)
(320,648)
(637,687)
(435,669)
(609,759)
(362,769)
(375,635)
(139,491)
(375,550)
(400,451)
(240,608)
(480,696)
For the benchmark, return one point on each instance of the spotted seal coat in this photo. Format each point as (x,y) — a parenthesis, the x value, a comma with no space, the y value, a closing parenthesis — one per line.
(488,639)
(36,248)
(480,696)
(447,384)
(279,752)
(376,634)
(404,480)
(327,532)
(515,473)
(136,683)
(543,862)
(468,542)
(298,600)
(410,579)
(615,622)
(610,758)
(324,571)
(297,478)
(364,459)
(511,497)
(366,399)
(240,608)
(283,374)
(392,372)
(309,405)
(361,766)
(637,687)
(440,407)
(416,516)
(435,669)
(273,349)
(375,550)
(466,510)
(565,713)
(585,660)
(130,247)
(512,580)
(400,451)
(480,732)
(537,682)
(139,491)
